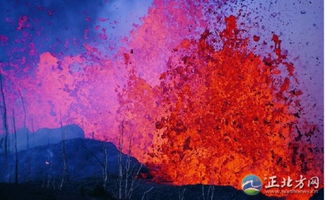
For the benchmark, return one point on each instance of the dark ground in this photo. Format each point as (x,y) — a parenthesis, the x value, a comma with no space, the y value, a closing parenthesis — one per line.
(82,191)
(85,158)
(92,190)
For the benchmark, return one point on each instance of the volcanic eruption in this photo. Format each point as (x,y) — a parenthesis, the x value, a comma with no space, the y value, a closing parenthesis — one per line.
(196,103)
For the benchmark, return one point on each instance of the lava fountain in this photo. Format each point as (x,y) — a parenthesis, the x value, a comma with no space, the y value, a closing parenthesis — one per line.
(196,105)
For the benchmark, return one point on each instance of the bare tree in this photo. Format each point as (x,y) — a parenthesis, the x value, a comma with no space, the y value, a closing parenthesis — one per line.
(50,180)
(64,156)
(127,171)
(105,167)
(4,117)
(181,194)
(25,117)
(120,174)
(16,151)
(28,162)
(208,192)
(146,192)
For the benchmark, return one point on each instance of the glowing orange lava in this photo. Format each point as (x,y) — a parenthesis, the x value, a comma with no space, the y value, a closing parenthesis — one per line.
(220,115)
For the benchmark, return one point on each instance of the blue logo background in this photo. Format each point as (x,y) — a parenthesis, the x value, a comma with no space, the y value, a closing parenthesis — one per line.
(251,184)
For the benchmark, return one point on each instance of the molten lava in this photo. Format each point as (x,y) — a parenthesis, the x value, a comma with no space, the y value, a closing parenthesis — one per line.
(220,115)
